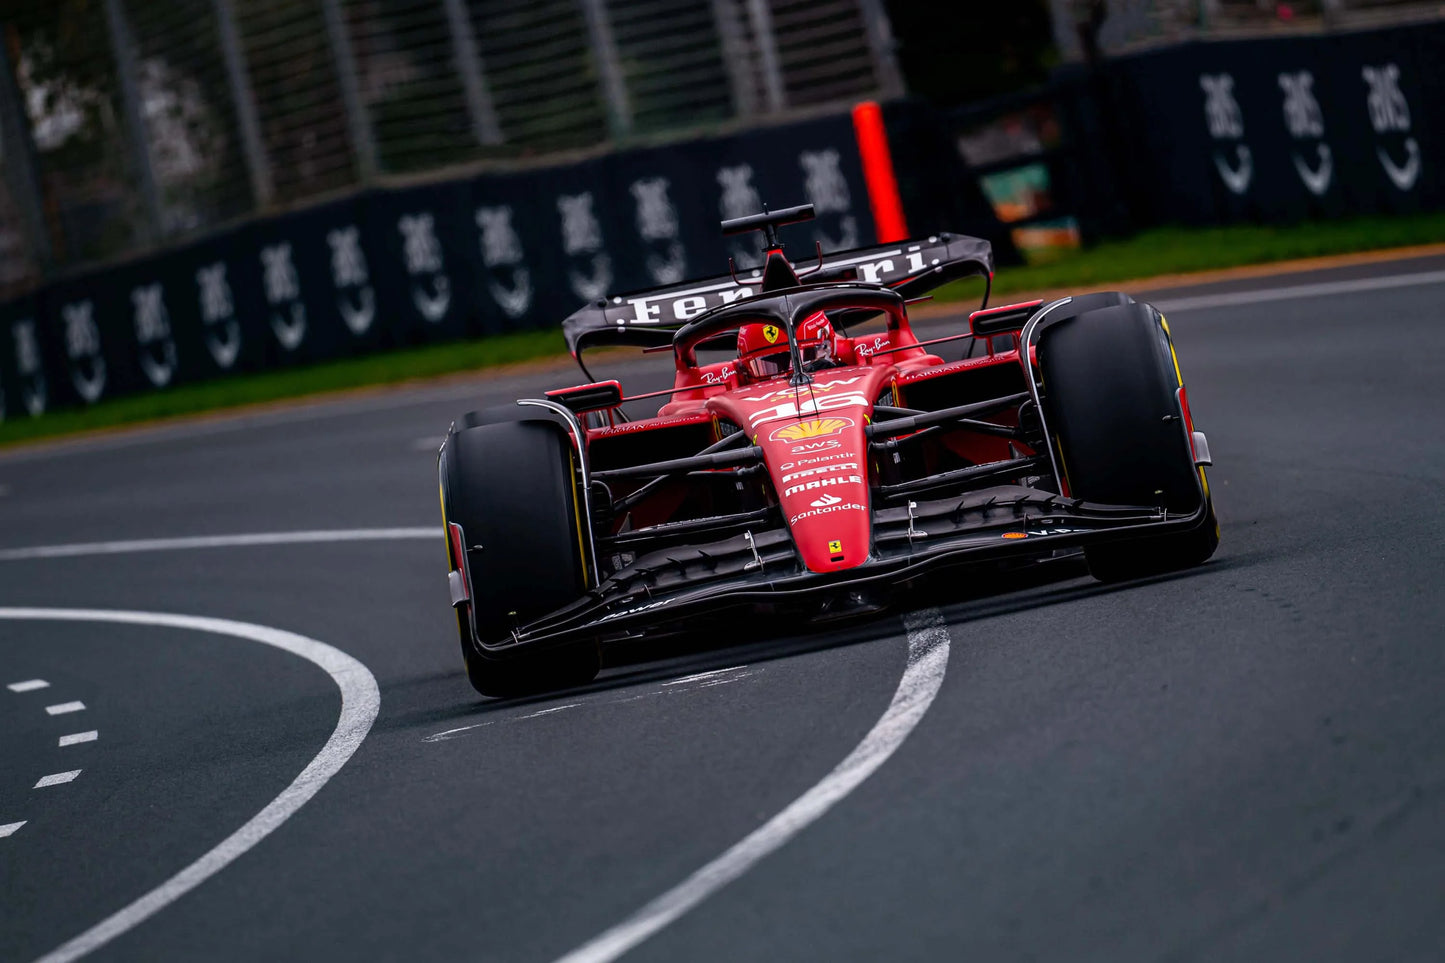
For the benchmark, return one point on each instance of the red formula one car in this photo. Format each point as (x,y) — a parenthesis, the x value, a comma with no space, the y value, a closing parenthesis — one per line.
(823,467)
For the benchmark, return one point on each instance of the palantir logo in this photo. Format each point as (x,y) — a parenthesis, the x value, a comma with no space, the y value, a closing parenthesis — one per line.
(1305,122)
(739,199)
(582,238)
(1390,115)
(422,255)
(349,274)
(827,191)
(82,347)
(218,314)
(156,350)
(508,279)
(34,393)
(1226,123)
(658,226)
(283,295)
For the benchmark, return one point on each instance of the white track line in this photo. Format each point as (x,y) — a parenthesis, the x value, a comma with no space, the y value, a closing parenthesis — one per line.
(57,779)
(29,685)
(219,541)
(64,708)
(75,738)
(360,701)
(10,828)
(927,662)
(1323,289)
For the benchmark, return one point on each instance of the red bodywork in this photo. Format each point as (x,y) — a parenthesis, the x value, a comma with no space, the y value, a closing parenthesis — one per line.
(813,437)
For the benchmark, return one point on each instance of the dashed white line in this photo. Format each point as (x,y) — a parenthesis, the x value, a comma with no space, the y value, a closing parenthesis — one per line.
(29,685)
(62,708)
(75,738)
(927,662)
(9,828)
(549,711)
(703,675)
(57,778)
(360,701)
(219,541)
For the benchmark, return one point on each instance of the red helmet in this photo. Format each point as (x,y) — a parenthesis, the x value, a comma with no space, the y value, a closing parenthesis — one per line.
(763,348)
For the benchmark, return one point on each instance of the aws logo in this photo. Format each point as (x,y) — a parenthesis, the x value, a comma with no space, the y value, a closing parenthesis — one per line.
(812,428)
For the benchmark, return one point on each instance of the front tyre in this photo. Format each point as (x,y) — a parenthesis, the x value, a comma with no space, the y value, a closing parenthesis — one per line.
(1113,397)
(511,490)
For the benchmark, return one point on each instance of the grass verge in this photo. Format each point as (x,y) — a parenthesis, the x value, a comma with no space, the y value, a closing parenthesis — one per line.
(1149,254)
(1177,250)
(348,373)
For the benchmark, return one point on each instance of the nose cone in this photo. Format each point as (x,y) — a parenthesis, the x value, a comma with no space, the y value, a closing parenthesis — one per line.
(819,468)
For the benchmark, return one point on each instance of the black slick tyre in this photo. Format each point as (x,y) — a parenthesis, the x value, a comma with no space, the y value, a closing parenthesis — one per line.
(511,489)
(1111,386)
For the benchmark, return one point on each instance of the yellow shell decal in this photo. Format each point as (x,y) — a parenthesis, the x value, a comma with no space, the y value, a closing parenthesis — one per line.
(770,332)
(812,428)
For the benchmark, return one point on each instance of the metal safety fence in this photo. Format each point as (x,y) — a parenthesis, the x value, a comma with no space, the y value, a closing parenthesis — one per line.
(129,124)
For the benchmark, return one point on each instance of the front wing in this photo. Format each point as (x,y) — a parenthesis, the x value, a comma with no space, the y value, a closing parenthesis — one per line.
(981,529)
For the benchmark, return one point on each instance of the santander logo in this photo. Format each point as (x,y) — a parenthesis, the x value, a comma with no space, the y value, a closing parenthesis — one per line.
(825,501)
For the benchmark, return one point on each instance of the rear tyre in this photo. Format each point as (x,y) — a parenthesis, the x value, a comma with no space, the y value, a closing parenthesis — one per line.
(1111,393)
(511,488)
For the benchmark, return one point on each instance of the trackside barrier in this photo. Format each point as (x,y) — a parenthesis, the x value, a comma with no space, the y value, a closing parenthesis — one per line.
(398,266)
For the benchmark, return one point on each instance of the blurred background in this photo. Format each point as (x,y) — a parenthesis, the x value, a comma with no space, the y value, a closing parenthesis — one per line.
(464,167)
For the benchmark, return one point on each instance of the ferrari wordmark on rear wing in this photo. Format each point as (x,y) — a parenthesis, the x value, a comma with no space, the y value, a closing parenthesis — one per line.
(649,318)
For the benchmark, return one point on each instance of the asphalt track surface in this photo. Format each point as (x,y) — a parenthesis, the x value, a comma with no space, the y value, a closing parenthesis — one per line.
(1242,762)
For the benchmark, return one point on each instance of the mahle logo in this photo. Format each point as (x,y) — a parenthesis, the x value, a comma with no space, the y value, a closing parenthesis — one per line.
(813,428)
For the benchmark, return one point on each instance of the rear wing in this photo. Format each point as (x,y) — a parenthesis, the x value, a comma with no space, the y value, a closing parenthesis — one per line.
(648,319)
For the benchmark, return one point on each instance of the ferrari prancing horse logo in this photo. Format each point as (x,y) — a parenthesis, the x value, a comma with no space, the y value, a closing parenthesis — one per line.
(770,332)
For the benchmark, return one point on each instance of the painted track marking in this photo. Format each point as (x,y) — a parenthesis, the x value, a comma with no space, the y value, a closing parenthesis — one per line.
(1230,299)
(57,779)
(219,541)
(29,685)
(9,828)
(75,738)
(927,661)
(64,708)
(360,701)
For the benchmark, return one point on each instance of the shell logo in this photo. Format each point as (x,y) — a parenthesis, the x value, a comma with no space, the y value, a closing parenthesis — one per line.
(812,428)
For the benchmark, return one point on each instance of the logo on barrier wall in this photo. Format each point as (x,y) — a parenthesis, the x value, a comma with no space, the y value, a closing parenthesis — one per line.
(34,393)
(1389,115)
(431,289)
(739,199)
(508,279)
(283,294)
(350,278)
(1306,122)
(582,238)
(156,350)
(657,224)
(218,314)
(827,191)
(82,348)
(1226,126)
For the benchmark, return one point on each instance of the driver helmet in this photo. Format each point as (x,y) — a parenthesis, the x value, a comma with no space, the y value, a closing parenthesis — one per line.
(763,347)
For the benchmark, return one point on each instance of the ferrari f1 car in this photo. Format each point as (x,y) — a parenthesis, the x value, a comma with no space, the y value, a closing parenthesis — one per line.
(829,463)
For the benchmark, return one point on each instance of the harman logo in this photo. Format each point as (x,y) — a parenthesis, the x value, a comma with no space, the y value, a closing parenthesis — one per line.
(813,428)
